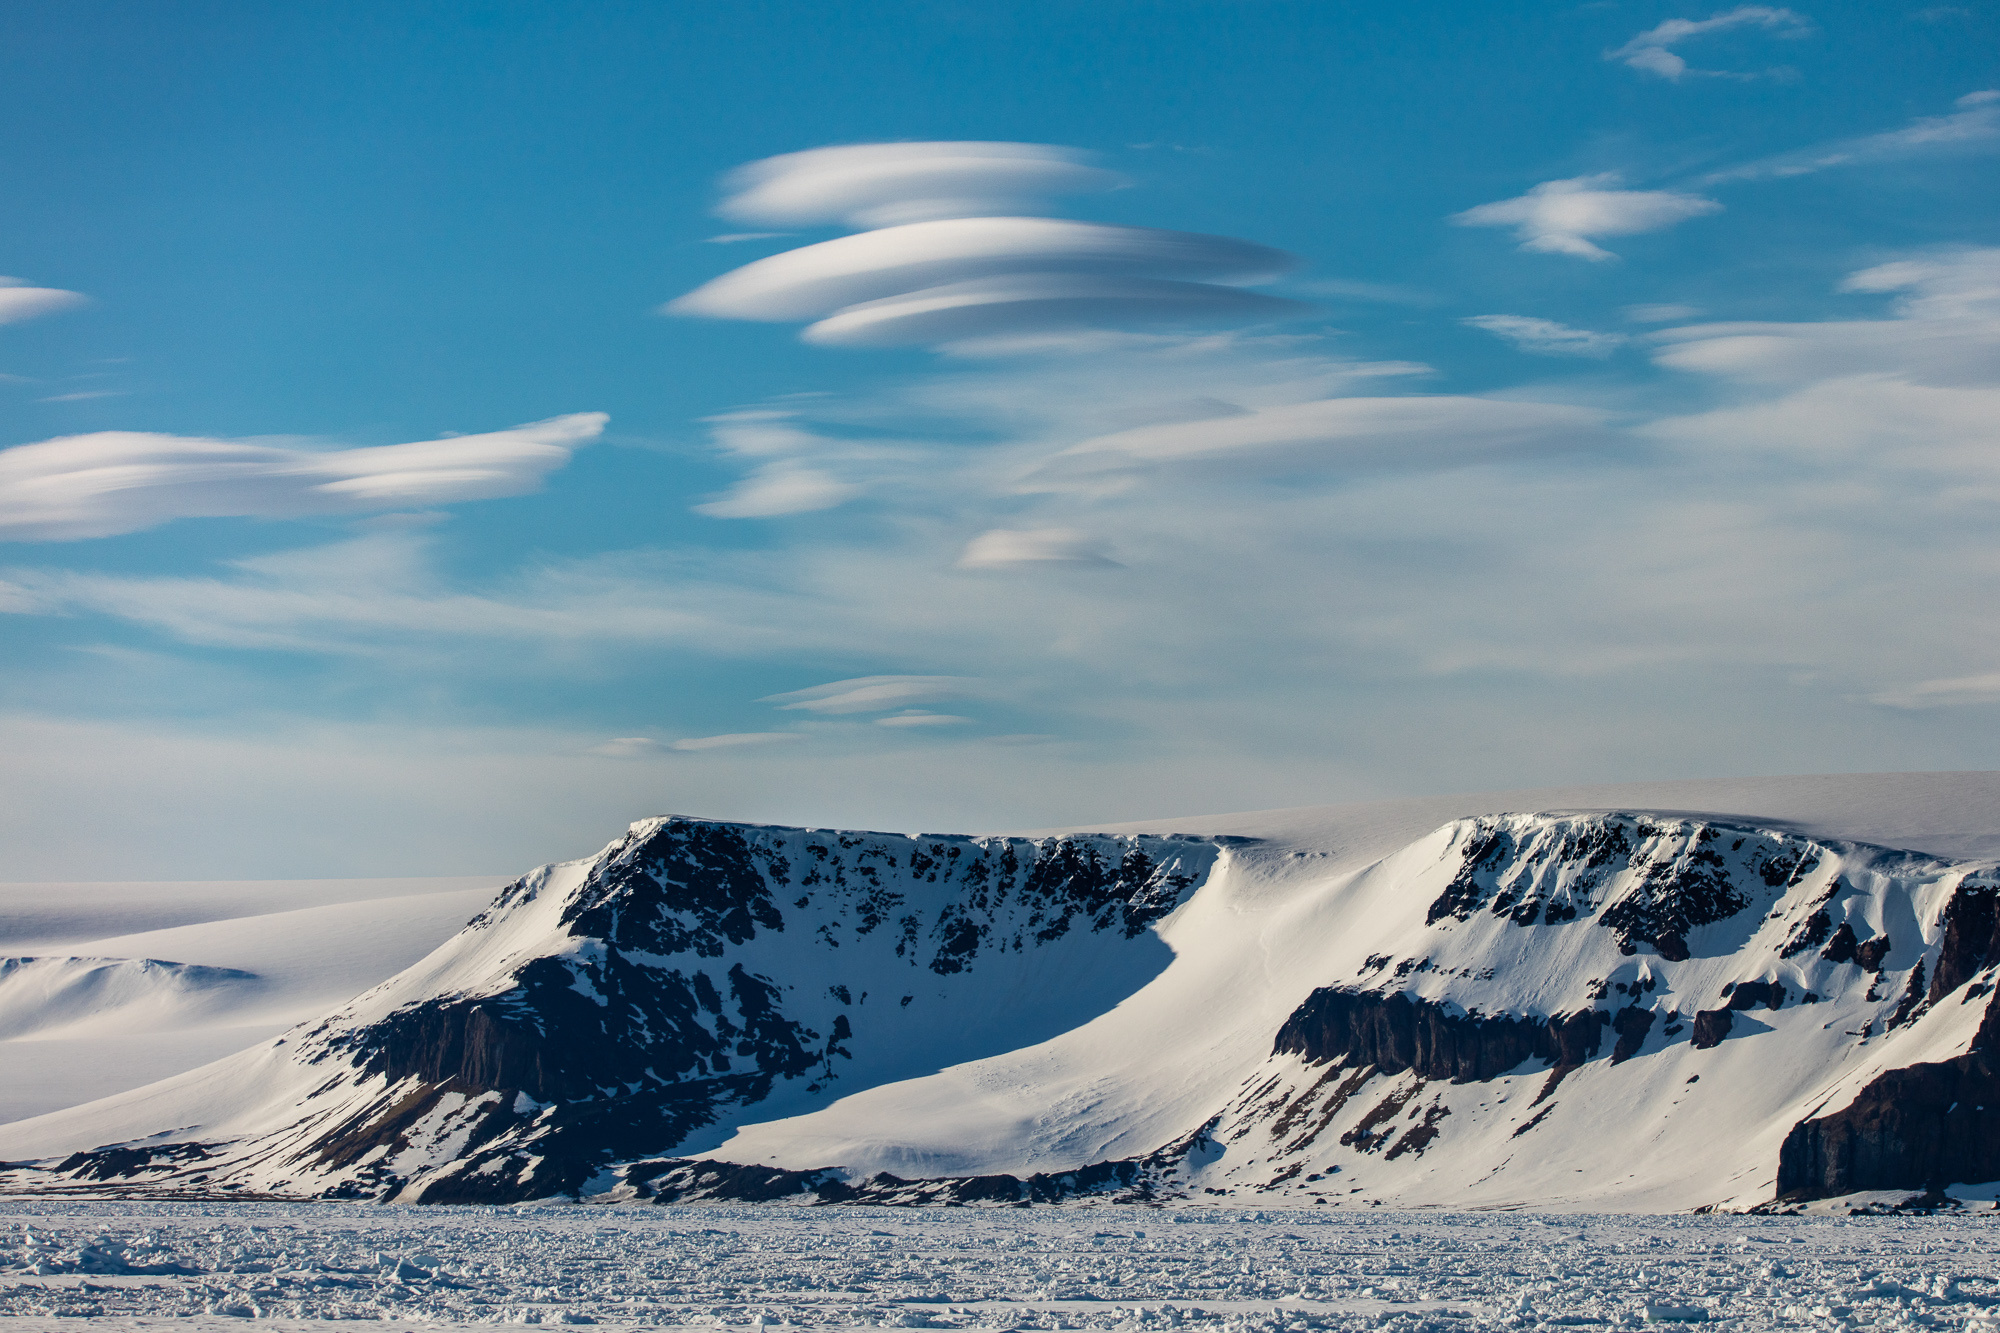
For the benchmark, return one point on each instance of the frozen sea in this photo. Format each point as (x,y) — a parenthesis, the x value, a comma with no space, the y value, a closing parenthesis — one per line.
(131,1265)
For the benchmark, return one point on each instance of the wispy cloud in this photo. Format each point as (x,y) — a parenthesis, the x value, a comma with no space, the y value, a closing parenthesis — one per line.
(1349,434)
(1038,548)
(1946,331)
(1973,128)
(1545,337)
(1286,534)
(1652,50)
(777,489)
(735,740)
(874,694)
(19,301)
(123,481)
(1561,217)
(921,720)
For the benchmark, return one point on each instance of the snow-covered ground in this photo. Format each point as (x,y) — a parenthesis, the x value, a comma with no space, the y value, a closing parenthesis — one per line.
(105,987)
(1067,1267)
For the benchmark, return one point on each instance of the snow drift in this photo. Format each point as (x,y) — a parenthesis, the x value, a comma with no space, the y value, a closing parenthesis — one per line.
(1604,1009)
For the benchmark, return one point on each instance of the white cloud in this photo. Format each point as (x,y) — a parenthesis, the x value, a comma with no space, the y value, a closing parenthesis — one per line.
(780,488)
(1297,564)
(1353,433)
(1974,127)
(921,720)
(1039,548)
(1560,217)
(940,268)
(734,740)
(1013,304)
(112,482)
(815,281)
(1652,50)
(881,184)
(1545,337)
(874,694)
(1946,331)
(19,301)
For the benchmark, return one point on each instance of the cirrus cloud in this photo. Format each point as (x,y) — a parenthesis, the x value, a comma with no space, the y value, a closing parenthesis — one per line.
(1430,431)
(1974,127)
(1945,331)
(1545,337)
(873,694)
(777,489)
(1038,548)
(1652,50)
(112,482)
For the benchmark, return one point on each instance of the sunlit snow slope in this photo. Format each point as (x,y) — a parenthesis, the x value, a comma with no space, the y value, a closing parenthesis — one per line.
(1665,997)
(105,987)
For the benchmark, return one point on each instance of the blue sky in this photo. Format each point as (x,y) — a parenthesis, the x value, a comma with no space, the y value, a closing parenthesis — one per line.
(429,440)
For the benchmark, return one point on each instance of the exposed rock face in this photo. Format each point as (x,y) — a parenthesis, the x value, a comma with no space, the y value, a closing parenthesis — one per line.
(1631,1024)
(1927,1125)
(1751,994)
(1660,905)
(1396,1032)
(1710,1027)
(695,968)
(1921,1127)
(1971,937)
(1482,1011)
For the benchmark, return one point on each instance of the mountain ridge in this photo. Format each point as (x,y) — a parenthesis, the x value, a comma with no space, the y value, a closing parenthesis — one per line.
(1552,1009)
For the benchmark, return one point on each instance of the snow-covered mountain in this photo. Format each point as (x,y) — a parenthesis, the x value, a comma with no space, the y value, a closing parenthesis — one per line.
(1418,1003)
(108,987)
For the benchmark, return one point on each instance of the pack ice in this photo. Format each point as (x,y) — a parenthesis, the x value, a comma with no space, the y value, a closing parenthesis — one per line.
(1582,1004)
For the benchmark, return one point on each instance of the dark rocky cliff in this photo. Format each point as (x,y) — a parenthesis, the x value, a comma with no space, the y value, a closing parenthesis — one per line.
(1927,1125)
(641,1022)
(1400,1032)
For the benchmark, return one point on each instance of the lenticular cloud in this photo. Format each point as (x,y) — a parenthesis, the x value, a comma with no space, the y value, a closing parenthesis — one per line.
(881,184)
(114,482)
(941,266)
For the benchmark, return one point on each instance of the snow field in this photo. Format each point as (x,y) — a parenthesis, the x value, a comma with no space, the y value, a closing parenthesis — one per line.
(108,987)
(1069,1267)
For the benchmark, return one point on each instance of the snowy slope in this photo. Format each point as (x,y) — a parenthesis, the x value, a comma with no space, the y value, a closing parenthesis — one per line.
(629,1004)
(1660,997)
(105,987)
